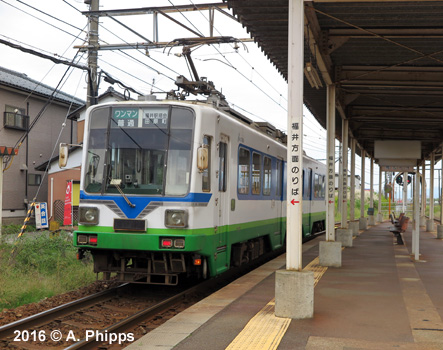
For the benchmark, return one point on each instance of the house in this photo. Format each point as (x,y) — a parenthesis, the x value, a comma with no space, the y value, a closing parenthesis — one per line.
(357,181)
(33,119)
(58,177)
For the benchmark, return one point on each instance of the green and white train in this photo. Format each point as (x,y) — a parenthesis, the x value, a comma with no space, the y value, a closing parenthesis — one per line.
(173,189)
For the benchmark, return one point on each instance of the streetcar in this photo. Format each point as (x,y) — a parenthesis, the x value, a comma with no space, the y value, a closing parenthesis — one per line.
(177,189)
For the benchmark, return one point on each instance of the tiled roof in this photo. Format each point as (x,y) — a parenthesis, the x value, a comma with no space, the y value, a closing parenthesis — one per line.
(22,82)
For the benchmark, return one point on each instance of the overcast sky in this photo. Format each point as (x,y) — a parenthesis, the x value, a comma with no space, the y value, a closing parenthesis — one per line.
(246,77)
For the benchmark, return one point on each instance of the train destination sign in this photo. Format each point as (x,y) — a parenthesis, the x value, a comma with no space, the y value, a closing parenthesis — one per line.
(155,117)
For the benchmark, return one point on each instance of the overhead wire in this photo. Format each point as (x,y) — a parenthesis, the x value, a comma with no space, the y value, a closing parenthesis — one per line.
(230,64)
(41,20)
(131,57)
(244,59)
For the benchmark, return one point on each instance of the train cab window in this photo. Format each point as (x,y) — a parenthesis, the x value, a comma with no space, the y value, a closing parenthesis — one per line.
(267,171)
(243,170)
(222,152)
(206,174)
(256,173)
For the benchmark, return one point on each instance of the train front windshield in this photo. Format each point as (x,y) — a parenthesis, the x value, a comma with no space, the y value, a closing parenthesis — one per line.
(144,151)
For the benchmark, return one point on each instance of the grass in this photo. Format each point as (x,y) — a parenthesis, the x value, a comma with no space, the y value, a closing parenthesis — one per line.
(41,267)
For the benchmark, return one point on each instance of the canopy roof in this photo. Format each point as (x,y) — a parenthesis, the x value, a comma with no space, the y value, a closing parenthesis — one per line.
(386,59)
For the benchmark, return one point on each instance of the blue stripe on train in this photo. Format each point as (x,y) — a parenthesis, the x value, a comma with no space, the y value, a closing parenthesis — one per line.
(141,202)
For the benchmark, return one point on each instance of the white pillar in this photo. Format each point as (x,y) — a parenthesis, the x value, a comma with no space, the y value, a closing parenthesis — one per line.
(371,180)
(294,288)
(371,218)
(330,150)
(353,224)
(330,250)
(430,223)
(423,189)
(380,195)
(340,180)
(344,207)
(405,193)
(362,189)
(363,222)
(416,237)
(431,188)
(294,203)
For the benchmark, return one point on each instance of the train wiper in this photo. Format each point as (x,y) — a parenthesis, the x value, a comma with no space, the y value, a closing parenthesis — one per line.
(116,183)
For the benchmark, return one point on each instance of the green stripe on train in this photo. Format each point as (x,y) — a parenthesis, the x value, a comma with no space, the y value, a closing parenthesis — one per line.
(214,242)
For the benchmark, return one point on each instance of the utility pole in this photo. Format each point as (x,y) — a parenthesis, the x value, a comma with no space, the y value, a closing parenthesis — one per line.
(92,53)
(1,194)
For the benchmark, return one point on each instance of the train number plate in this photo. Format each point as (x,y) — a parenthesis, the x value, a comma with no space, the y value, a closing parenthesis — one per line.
(130,225)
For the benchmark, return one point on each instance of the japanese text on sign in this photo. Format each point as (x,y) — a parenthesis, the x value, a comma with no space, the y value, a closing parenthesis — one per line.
(295,163)
(331,178)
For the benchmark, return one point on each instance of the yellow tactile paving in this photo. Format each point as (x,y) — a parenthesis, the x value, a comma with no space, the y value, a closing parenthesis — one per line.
(265,330)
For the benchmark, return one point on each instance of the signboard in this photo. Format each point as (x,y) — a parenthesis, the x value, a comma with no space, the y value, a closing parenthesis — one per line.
(67,217)
(125,117)
(152,117)
(41,215)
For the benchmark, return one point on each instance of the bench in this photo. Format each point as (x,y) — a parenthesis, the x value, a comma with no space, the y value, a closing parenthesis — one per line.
(400,228)
(396,221)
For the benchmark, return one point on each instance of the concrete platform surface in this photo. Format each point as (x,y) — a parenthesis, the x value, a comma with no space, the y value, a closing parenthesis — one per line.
(379,299)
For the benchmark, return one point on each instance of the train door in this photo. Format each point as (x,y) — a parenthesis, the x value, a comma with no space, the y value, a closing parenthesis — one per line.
(279,196)
(223,203)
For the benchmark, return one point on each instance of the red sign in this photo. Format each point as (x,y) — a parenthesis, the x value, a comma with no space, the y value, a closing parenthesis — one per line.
(67,217)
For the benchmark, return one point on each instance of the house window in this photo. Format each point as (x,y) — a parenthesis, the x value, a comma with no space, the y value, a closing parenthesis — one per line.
(34,179)
(15,118)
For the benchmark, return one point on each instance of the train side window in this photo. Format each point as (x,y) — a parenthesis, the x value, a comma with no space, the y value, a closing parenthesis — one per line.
(206,174)
(316,186)
(243,170)
(278,189)
(256,173)
(308,184)
(222,153)
(267,171)
(323,187)
(303,183)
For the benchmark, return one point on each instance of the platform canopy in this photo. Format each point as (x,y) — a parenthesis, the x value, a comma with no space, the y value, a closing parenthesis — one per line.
(385,57)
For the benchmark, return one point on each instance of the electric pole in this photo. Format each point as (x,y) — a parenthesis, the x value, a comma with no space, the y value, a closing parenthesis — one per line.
(92,53)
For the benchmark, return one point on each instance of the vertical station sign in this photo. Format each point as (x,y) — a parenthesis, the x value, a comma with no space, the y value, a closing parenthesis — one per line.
(41,215)
(67,217)
(295,195)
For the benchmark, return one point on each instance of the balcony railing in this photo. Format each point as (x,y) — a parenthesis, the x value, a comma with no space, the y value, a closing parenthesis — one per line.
(12,120)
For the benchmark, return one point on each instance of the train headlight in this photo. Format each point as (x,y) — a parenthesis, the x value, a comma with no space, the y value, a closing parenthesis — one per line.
(176,218)
(88,215)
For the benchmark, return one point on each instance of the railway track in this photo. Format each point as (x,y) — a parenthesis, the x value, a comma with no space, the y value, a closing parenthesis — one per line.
(104,319)
(98,315)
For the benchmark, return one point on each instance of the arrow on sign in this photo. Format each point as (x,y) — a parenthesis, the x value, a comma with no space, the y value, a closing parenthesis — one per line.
(294,201)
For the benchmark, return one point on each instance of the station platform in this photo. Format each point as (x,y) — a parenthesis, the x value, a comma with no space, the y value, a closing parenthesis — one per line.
(379,299)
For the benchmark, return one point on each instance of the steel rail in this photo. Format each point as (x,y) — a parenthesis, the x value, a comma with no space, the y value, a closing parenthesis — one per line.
(203,287)
(61,310)
(133,320)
